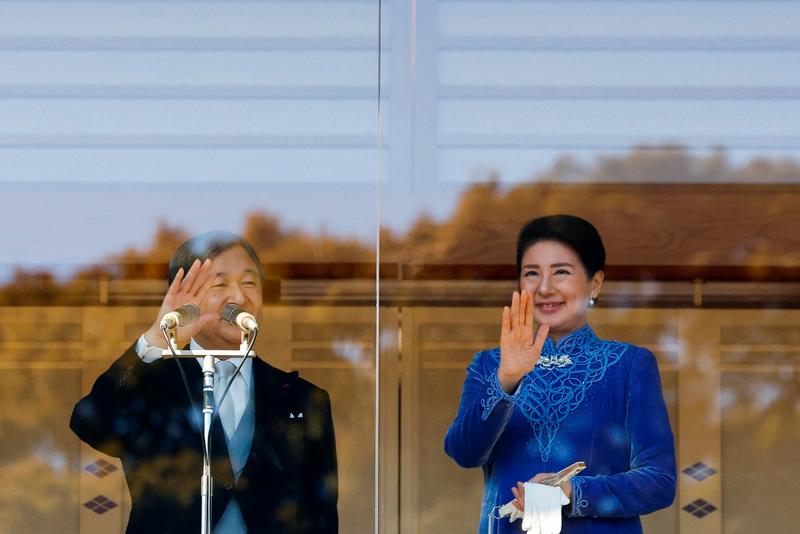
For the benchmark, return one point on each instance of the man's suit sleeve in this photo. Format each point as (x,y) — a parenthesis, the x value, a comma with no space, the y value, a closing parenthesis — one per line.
(322,476)
(103,418)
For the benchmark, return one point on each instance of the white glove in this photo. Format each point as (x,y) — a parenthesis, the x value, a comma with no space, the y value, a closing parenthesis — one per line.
(543,508)
(514,515)
(508,509)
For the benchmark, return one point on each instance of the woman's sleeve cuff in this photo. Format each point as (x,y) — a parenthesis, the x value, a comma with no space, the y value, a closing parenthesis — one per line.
(579,503)
(495,394)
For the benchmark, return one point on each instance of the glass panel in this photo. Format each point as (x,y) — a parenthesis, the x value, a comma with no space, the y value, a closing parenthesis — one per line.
(670,126)
(128,128)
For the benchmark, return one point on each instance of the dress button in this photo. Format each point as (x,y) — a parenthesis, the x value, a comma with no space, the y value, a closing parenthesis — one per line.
(228,486)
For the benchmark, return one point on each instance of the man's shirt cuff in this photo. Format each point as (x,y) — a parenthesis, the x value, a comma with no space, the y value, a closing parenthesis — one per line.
(145,352)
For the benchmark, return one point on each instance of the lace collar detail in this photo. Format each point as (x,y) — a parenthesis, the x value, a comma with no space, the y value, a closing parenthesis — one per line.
(558,384)
(577,339)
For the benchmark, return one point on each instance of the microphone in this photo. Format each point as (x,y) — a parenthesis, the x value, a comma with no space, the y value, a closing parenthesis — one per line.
(182,316)
(238,316)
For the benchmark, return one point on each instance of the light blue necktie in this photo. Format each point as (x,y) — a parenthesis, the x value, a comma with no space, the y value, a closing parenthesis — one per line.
(232,521)
(227,414)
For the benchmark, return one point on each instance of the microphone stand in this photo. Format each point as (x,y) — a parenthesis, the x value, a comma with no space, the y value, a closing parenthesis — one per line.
(209,408)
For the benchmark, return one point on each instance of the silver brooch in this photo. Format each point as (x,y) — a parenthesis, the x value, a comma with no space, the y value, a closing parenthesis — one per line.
(556,360)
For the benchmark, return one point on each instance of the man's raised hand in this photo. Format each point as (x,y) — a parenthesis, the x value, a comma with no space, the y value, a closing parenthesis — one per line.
(187,288)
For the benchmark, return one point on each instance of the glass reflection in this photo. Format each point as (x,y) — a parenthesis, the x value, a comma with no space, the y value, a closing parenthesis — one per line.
(131,127)
(666,124)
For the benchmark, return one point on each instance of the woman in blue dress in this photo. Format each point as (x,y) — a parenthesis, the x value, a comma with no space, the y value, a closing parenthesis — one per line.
(539,403)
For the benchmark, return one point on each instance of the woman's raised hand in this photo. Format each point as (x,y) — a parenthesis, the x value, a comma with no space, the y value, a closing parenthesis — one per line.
(519,350)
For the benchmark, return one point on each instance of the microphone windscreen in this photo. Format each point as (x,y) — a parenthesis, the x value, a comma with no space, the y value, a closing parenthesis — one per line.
(188,313)
(230,311)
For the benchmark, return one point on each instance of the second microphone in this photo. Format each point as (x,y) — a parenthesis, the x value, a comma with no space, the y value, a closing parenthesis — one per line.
(238,316)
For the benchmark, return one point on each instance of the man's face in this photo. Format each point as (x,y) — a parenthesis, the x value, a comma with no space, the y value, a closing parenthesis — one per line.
(234,280)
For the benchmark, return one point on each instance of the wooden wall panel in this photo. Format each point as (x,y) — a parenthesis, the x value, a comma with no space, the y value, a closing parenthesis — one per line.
(729,377)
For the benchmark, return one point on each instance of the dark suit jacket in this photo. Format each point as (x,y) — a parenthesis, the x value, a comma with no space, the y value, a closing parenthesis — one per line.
(141,413)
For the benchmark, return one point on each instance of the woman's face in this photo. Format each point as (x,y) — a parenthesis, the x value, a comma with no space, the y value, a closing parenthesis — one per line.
(553,273)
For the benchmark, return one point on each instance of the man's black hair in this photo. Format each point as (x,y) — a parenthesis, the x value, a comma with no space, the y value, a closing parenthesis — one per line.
(210,245)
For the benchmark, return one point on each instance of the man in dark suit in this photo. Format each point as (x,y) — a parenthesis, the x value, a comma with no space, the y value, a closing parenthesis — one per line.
(274,458)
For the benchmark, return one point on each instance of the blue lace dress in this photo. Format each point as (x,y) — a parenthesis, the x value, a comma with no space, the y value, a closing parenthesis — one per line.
(588,399)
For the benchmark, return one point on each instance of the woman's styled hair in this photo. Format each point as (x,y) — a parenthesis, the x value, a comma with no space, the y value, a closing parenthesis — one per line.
(210,245)
(576,233)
